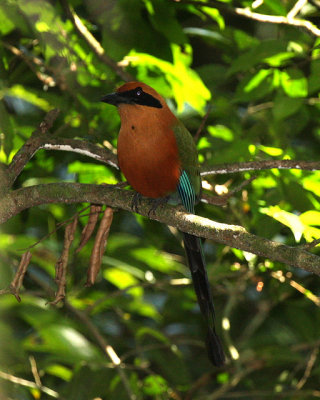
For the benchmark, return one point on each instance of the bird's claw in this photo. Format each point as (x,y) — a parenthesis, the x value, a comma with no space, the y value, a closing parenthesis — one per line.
(155,203)
(136,201)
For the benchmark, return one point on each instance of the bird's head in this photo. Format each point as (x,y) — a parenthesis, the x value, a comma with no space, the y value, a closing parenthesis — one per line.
(135,94)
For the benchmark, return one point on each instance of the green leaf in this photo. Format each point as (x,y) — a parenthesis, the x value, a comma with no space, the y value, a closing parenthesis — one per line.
(214,13)
(65,342)
(33,97)
(185,83)
(296,223)
(290,220)
(221,132)
(257,79)
(313,78)
(279,59)
(91,173)
(275,6)
(6,25)
(147,331)
(159,261)
(122,279)
(272,151)
(285,106)
(154,385)
(294,83)
(255,87)
(312,183)
(164,20)
(257,54)
(60,371)
(206,34)
(311,217)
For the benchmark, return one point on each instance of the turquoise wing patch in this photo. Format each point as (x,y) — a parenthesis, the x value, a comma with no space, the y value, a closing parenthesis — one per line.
(186,192)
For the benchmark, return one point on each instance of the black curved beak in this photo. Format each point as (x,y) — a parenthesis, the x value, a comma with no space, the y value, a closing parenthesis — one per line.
(114,98)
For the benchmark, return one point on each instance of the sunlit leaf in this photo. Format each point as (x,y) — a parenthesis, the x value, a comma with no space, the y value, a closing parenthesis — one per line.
(257,79)
(297,223)
(25,95)
(279,59)
(185,83)
(122,279)
(60,371)
(294,83)
(155,385)
(215,15)
(272,151)
(91,173)
(312,183)
(221,132)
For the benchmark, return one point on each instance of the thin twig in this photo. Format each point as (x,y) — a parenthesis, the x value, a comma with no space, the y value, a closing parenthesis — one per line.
(307,372)
(29,384)
(105,346)
(310,245)
(85,34)
(260,165)
(34,371)
(286,394)
(33,63)
(222,200)
(202,125)
(278,19)
(279,275)
(58,226)
(202,381)
(296,8)
(231,383)
(18,278)
(247,13)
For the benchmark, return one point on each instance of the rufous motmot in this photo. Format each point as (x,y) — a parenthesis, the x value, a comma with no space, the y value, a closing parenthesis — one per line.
(158,157)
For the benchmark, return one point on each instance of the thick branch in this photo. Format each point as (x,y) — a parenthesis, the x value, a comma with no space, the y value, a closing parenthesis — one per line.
(101,154)
(45,141)
(30,147)
(231,235)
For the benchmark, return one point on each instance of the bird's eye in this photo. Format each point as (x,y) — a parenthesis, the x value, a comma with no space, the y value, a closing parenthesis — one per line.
(139,91)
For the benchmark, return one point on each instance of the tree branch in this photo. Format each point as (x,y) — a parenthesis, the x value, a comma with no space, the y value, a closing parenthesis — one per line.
(40,139)
(260,165)
(30,147)
(231,235)
(289,19)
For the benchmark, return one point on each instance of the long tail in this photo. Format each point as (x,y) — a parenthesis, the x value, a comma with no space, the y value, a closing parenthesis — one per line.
(196,261)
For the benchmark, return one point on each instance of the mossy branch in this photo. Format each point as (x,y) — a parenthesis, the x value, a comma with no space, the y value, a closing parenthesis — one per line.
(231,235)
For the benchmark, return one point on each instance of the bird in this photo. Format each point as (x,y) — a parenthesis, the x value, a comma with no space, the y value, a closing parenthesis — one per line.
(158,157)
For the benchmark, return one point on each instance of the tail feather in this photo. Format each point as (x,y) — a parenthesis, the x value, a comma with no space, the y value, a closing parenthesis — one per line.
(197,267)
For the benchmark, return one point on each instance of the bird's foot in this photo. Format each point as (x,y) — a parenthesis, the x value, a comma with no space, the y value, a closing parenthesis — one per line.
(155,203)
(136,201)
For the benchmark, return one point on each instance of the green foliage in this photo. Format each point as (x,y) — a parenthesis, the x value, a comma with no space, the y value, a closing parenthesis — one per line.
(262,84)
